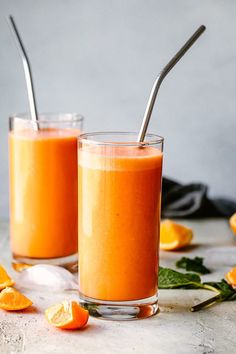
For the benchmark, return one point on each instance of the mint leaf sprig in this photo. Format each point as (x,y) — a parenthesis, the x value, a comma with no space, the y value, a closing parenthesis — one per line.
(193,265)
(172,279)
(225,293)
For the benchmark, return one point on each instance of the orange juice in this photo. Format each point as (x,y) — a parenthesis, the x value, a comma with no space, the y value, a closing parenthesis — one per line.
(43,193)
(119,216)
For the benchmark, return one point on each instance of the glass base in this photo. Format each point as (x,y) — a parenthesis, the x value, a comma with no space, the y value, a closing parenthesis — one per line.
(70,262)
(121,310)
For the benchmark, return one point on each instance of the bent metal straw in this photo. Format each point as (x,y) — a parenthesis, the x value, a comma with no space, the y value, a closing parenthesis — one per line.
(28,73)
(160,78)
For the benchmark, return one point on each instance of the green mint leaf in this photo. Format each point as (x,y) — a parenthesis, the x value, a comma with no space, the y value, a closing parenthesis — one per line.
(224,290)
(171,279)
(193,265)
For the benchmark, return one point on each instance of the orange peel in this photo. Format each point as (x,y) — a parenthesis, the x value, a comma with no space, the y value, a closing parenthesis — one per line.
(232,223)
(231,277)
(67,315)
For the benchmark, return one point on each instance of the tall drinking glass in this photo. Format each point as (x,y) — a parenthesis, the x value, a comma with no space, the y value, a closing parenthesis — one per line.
(43,189)
(119,220)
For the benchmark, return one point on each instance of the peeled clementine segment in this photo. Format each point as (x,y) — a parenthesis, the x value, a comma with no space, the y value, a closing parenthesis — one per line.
(232,223)
(231,276)
(5,279)
(13,300)
(67,315)
(174,236)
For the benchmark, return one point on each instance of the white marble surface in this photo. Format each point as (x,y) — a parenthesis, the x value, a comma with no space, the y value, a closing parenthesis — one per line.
(174,331)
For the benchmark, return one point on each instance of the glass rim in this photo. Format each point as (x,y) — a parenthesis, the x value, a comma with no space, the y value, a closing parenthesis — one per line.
(154,139)
(71,117)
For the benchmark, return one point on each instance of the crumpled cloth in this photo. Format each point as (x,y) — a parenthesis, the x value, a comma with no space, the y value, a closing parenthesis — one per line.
(192,201)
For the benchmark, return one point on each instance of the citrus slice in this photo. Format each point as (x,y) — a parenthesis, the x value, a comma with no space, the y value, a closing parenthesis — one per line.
(232,223)
(174,236)
(13,300)
(5,279)
(67,315)
(231,276)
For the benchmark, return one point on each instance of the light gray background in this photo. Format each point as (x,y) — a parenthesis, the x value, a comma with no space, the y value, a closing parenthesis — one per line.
(100,57)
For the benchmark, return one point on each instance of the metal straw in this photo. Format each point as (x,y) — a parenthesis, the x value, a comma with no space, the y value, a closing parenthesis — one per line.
(28,73)
(160,78)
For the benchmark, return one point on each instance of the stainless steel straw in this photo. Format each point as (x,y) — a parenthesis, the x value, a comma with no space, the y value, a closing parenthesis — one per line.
(160,78)
(28,73)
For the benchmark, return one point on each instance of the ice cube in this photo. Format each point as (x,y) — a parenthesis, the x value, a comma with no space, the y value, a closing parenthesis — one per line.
(47,277)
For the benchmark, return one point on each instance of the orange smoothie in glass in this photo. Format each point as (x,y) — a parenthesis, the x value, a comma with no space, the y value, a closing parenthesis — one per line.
(43,193)
(119,217)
